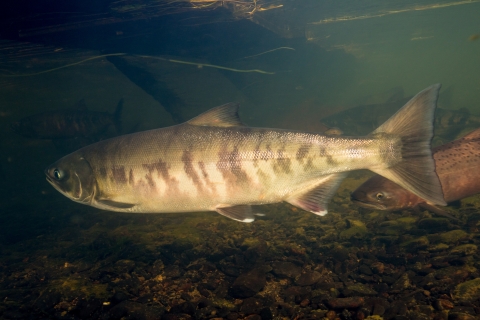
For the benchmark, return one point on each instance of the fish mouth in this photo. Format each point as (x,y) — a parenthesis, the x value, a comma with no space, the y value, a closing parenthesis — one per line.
(368,205)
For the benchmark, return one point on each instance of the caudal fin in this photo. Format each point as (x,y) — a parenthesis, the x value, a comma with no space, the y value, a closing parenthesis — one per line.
(414,124)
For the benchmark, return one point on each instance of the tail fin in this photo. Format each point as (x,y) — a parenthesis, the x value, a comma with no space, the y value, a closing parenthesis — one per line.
(414,124)
(117,116)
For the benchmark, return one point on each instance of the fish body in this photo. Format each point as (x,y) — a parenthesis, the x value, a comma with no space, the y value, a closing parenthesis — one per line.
(214,162)
(70,123)
(457,164)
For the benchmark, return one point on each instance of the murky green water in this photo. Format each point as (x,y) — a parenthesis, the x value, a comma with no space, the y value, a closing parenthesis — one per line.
(60,259)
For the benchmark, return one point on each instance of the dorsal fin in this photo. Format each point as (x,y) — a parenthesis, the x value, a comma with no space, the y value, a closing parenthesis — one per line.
(475,134)
(222,116)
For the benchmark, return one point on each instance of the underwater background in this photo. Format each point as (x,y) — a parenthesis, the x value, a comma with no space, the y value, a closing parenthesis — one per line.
(303,65)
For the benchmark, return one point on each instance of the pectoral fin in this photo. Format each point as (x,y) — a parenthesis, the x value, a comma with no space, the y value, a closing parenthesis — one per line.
(114,205)
(242,213)
(316,199)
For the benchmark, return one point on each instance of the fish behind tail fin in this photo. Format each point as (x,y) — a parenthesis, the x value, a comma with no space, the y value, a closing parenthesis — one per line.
(413,123)
(117,116)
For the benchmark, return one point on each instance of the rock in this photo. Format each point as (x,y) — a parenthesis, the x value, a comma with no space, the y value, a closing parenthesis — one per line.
(266,314)
(434,225)
(173,272)
(465,249)
(286,269)
(453,236)
(124,266)
(460,316)
(359,289)
(364,269)
(378,267)
(468,291)
(308,278)
(415,244)
(251,305)
(356,229)
(443,304)
(136,311)
(248,284)
(397,308)
(402,283)
(304,303)
(185,308)
(340,253)
(346,303)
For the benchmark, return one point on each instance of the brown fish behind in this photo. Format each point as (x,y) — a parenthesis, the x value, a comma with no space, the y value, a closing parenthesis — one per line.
(457,164)
(70,123)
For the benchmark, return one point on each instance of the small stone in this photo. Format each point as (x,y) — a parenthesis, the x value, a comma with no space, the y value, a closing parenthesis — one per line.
(443,304)
(378,267)
(304,303)
(402,283)
(365,270)
(331,315)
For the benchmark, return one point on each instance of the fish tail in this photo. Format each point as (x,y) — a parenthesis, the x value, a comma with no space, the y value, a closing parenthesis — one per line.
(117,116)
(413,123)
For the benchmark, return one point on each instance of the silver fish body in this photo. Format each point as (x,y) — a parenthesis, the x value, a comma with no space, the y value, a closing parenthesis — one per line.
(214,162)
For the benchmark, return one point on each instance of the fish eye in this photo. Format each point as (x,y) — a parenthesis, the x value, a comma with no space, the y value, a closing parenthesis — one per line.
(58,174)
(379,196)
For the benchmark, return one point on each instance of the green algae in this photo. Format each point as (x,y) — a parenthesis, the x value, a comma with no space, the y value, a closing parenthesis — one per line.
(397,227)
(355,229)
(438,247)
(250,243)
(81,286)
(415,244)
(410,221)
(453,236)
(361,289)
(223,303)
(468,291)
(465,249)
(471,201)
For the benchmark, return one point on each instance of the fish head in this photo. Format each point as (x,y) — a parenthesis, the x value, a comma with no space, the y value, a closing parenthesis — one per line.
(73,177)
(382,194)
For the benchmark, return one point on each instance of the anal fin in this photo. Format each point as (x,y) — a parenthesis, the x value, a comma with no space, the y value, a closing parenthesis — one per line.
(242,213)
(316,199)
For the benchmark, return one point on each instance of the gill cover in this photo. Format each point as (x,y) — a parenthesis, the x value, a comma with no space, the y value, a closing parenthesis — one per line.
(72,176)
